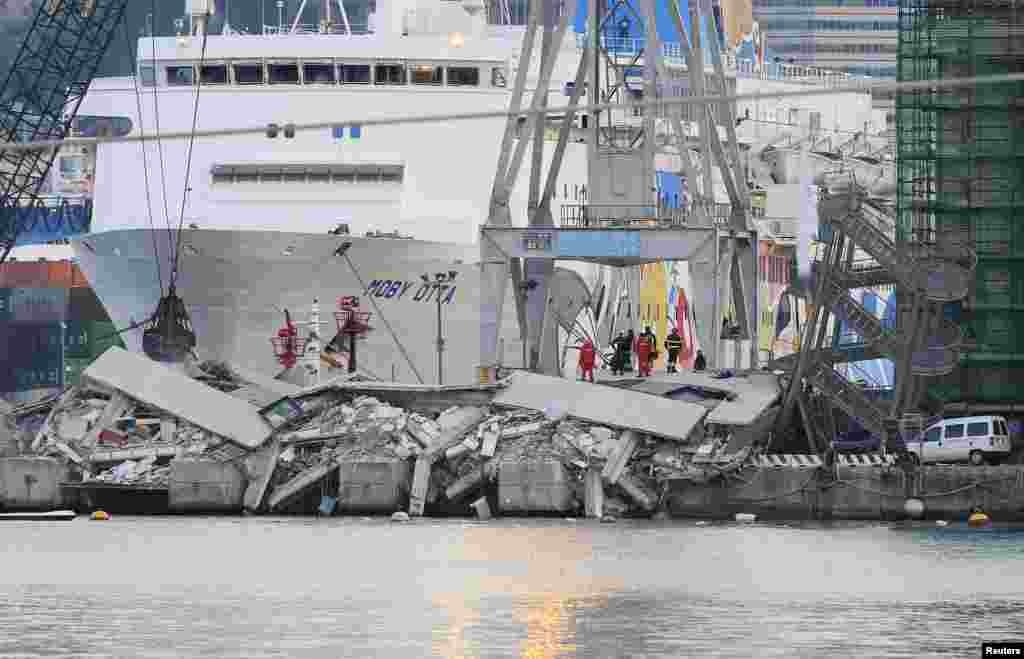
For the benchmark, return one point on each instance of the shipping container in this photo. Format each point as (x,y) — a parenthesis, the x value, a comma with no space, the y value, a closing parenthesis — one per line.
(33,305)
(24,344)
(77,339)
(41,274)
(104,335)
(73,368)
(84,305)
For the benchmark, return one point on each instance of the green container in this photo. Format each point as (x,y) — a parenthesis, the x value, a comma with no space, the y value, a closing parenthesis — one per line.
(103,335)
(73,368)
(77,339)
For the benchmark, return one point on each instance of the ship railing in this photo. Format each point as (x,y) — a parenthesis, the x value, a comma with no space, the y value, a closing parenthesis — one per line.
(317,29)
(740,67)
(637,216)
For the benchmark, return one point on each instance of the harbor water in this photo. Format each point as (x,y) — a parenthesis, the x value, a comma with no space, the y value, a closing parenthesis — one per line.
(360,587)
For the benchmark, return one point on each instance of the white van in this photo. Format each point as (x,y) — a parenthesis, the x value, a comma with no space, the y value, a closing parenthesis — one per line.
(975,439)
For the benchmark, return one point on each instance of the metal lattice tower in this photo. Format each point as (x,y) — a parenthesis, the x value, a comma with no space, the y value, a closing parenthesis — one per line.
(44,88)
(961,179)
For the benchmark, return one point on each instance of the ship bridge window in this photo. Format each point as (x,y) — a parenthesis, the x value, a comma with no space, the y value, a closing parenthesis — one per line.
(354,74)
(283,74)
(316,73)
(213,74)
(389,74)
(427,74)
(463,76)
(248,74)
(88,126)
(369,173)
(180,76)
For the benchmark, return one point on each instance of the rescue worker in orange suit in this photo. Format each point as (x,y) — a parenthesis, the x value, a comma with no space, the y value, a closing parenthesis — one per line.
(643,347)
(673,343)
(588,356)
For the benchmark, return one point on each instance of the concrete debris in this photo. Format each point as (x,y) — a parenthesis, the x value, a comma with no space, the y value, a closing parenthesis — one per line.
(132,472)
(365,452)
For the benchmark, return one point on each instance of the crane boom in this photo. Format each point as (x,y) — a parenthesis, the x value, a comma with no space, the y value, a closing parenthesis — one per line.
(45,85)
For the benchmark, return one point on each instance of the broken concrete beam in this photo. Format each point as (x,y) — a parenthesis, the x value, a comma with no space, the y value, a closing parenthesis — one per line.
(420,484)
(168,429)
(58,406)
(425,432)
(637,492)
(522,429)
(593,493)
(483,509)
(471,481)
(259,470)
(69,453)
(173,393)
(620,457)
(459,449)
(116,407)
(456,425)
(297,485)
(490,443)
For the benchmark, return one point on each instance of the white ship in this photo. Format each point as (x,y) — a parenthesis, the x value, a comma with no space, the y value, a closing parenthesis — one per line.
(264,216)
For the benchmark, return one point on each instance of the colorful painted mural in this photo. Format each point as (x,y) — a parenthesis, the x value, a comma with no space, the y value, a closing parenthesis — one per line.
(654,304)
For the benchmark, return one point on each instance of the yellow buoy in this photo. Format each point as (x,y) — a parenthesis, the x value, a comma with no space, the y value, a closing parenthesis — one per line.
(978,519)
(99,516)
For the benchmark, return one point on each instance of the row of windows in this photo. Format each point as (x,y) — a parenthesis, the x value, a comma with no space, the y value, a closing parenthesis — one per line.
(810,25)
(839,48)
(322,73)
(228,174)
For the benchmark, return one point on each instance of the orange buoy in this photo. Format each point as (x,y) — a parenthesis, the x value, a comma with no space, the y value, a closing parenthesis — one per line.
(99,516)
(979,519)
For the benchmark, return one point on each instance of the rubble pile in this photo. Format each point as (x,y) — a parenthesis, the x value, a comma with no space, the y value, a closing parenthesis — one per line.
(136,472)
(451,457)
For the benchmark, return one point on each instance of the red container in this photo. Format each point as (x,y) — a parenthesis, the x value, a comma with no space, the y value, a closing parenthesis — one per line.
(41,274)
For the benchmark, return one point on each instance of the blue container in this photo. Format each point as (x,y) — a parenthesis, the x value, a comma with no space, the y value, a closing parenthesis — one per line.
(27,344)
(33,305)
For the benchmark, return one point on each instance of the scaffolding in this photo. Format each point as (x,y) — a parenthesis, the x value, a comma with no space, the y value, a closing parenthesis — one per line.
(960,154)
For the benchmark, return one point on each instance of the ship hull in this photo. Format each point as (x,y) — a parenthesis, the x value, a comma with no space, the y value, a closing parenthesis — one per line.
(237,284)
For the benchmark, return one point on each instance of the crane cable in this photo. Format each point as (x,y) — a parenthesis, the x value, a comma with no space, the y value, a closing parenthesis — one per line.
(145,157)
(176,254)
(159,141)
(656,105)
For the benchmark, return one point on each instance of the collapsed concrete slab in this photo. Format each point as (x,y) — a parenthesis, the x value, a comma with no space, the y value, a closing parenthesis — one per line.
(734,401)
(172,392)
(609,406)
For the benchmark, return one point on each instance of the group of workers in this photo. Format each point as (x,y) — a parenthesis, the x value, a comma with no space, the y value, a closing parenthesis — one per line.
(645,346)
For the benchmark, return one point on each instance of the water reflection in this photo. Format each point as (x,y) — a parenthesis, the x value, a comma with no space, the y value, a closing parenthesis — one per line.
(543,570)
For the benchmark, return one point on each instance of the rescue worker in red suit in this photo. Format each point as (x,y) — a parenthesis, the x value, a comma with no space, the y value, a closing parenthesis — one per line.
(643,355)
(588,355)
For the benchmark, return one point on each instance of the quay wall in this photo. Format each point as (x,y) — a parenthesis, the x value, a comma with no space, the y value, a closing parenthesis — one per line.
(198,485)
(30,483)
(854,493)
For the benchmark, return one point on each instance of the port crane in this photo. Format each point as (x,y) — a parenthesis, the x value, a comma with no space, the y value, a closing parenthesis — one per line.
(39,100)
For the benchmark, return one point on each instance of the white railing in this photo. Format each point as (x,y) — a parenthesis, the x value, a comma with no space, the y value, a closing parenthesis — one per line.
(316,29)
(672,53)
